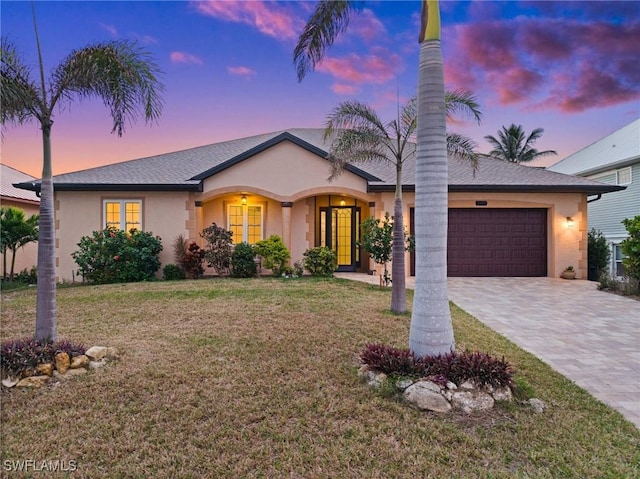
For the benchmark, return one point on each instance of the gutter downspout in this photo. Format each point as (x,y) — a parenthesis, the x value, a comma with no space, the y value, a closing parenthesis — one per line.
(595,199)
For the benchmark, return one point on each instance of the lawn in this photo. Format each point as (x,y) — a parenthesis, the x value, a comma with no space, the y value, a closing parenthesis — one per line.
(258,378)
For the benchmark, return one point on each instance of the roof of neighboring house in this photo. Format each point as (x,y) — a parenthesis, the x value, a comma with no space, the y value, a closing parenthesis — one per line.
(186,169)
(619,149)
(8,177)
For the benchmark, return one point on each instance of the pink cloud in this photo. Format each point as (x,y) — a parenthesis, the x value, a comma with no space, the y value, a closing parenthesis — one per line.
(269,18)
(367,26)
(110,28)
(378,67)
(182,57)
(342,89)
(568,66)
(241,71)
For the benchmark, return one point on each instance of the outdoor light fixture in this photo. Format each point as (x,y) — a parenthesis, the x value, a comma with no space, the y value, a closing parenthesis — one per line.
(342,202)
(569,222)
(243,200)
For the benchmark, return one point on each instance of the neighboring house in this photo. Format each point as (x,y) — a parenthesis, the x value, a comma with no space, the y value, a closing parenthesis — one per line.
(27,201)
(506,219)
(615,160)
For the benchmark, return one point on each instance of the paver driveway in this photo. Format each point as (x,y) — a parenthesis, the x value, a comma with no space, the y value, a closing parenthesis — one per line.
(590,336)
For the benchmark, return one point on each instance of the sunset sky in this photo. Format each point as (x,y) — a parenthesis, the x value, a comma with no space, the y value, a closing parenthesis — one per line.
(568,67)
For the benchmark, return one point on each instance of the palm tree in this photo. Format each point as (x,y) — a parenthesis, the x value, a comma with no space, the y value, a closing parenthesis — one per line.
(361,137)
(15,231)
(431,329)
(119,73)
(513,145)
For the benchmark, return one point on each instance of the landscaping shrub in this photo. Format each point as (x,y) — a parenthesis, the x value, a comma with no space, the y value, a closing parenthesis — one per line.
(598,254)
(219,248)
(631,248)
(18,356)
(456,367)
(242,261)
(275,254)
(320,261)
(115,256)
(172,272)
(188,256)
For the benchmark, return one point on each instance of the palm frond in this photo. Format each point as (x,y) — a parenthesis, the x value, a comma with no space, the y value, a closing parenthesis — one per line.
(463,148)
(353,115)
(122,75)
(18,93)
(328,20)
(462,102)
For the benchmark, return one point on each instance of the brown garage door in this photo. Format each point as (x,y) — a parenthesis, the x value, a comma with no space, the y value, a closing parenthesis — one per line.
(497,242)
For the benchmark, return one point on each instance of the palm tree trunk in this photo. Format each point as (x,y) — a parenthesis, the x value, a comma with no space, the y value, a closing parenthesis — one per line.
(431,331)
(46,327)
(398,292)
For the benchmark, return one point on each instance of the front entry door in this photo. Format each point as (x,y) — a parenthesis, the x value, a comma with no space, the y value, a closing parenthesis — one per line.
(340,232)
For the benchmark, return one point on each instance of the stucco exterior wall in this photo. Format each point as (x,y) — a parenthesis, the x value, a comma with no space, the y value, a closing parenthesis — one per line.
(78,214)
(284,172)
(27,256)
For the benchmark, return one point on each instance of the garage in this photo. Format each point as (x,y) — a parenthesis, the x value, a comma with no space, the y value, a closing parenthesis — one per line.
(496,242)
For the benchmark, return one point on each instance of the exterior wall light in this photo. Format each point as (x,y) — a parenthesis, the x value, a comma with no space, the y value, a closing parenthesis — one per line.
(243,200)
(570,222)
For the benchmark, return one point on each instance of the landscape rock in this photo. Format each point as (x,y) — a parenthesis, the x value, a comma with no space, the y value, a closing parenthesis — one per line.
(97,364)
(538,405)
(470,401)
(45,369)
(62,362)
(96,353)
(403,384)
(426,395)
(451,386)
(33,382)
(10,382)
(468,385)
(503,394)
(81,361)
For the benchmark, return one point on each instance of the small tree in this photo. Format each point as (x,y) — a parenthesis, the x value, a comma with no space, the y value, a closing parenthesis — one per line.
(274,253)
(631,248)
(598,254)
(15,232)
(377,240)
(219,248)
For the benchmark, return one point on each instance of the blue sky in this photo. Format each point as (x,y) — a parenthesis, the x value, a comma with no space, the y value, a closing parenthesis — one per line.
(568,67)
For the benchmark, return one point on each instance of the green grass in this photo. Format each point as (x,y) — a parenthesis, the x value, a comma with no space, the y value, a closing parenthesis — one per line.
(258,378)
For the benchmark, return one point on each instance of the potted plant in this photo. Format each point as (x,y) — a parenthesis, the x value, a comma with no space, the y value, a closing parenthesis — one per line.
(568,273)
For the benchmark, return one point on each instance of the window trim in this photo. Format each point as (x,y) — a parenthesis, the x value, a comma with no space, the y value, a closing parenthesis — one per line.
(123,218)
(245,219)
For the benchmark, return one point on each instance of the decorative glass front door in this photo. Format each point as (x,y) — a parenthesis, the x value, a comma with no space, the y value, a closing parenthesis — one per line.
(339,230)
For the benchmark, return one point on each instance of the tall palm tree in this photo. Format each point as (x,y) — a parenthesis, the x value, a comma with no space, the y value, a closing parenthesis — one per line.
(431,329)
(514,146)
(361,137)
(119,73)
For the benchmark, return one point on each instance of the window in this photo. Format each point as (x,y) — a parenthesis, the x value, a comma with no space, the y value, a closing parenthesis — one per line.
(618,267)
(623,176)
(245,221)
(123,214)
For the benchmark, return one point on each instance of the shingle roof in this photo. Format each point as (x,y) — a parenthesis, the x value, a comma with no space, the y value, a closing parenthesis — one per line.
(185,170)
(620,148)
(9,176)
